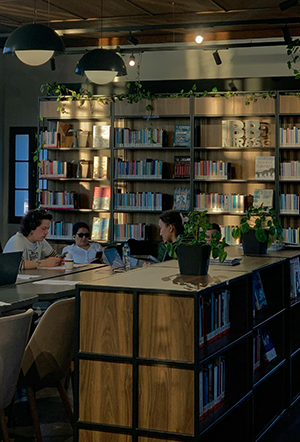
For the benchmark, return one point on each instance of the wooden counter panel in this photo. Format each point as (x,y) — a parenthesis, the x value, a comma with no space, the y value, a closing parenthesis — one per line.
(106,320)
(166,399)
(166,327)
(100,436)
(105,392)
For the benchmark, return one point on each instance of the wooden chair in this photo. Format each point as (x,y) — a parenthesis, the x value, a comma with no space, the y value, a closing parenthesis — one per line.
(48,355)
(14,331)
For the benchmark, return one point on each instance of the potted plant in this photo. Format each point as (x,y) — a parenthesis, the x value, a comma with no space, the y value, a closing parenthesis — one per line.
(258,230)
(193,246)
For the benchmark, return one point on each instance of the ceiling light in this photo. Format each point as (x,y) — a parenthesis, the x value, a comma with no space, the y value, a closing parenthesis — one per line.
(199,39)
(34,44)
(101,66)
(288,4)
(286,34)
(131,61)
(217,58)
(132,39)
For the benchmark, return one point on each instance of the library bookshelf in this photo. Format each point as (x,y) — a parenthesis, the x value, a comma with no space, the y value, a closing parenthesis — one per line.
(226,139)
(144,372)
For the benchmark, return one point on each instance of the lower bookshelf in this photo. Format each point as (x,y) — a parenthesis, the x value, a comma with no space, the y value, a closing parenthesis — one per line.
(144,372)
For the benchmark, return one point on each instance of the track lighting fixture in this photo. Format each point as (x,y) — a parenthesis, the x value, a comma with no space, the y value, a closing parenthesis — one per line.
(131,39)
(199,38)
(217,58)
(131,61)
(288,4)
(286,34)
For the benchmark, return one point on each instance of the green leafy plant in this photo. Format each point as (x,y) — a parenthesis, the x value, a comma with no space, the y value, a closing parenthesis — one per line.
(195,233)
(263,221)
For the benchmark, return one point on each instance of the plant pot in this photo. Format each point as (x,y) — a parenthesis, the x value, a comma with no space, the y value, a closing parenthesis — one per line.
(251,245)
(193,260)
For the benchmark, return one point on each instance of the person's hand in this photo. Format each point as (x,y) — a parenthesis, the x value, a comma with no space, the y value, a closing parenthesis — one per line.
(52,261)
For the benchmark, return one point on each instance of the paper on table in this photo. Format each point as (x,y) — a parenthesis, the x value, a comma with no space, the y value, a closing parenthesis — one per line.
(62,267)
(27,276)
(4,303)
(55,282)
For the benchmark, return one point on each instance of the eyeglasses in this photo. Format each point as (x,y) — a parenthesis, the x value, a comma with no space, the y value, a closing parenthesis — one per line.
(81,235)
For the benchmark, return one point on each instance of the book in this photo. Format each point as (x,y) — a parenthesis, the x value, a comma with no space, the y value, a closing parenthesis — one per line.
(64,137)
(182,166)
(100,167)
(101,198)
(182,135)
(181,199)
(258,292)
(100,229)
(263,196)
(256,350)
(269,352)
(265,167)
(101,136)
(294,278)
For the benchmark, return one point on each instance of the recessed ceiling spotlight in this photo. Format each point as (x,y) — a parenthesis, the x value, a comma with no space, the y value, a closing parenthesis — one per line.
(199,39)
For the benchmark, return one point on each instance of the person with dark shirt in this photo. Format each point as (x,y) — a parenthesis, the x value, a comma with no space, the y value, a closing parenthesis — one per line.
(170,226)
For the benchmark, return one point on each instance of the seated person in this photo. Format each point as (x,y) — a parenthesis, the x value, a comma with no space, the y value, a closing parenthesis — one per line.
(37,252)
(83,251)
(170,225)
(214,229)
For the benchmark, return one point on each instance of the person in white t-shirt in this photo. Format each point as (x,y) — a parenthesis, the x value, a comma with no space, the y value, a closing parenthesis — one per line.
(31,240)
(83,251)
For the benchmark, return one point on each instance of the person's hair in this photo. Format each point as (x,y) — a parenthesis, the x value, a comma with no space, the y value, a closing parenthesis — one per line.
(78,226)
(33,219)
(173,217)
(215,226)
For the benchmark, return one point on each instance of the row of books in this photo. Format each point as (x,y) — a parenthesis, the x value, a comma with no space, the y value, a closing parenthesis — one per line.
(291,236)
(212,169)
(226,232)
(48,138)
(138,201)
(123,232)
(290,169)
(65,200)
(211,386)
(61,228)
(54,168)
(217,202)
(263,347)
(146,168)
(125,137)
(214,318)
(289,203)
(289,136)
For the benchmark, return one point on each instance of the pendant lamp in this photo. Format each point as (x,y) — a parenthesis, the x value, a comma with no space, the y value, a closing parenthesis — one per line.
(34,44)
(101,66)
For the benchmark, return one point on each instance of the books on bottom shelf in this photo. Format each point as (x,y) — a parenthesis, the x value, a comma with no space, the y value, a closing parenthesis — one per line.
(101,198)
(181,199)
(214,318)
(100,229)
(258,292)
(294,278)
(123,232)
(269,352)
(265,167)
(211,386)
(100,167)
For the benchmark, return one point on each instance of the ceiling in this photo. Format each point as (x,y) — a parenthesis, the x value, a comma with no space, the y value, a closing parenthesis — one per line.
(151,21)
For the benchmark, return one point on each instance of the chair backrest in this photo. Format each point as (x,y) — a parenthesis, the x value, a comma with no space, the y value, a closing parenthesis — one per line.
(50,350)
(14,331)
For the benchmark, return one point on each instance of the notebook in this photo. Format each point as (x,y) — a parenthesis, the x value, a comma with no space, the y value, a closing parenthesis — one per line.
(9,265)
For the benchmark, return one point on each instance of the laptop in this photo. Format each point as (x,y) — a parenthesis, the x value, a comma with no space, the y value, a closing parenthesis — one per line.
(112,256)
(9,265)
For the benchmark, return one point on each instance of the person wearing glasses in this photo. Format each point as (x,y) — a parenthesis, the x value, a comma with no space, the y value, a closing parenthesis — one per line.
(31,240)
(82,250)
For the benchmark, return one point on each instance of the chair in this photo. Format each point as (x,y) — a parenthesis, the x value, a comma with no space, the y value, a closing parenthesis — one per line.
(48,355)
(14,331)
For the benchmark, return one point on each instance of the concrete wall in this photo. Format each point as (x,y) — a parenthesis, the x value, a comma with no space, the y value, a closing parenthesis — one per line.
(20,87)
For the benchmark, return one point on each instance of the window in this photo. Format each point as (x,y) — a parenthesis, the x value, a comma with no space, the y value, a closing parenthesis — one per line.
(22,172)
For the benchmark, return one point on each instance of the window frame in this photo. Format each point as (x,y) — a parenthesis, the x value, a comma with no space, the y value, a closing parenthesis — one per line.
(31,131)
